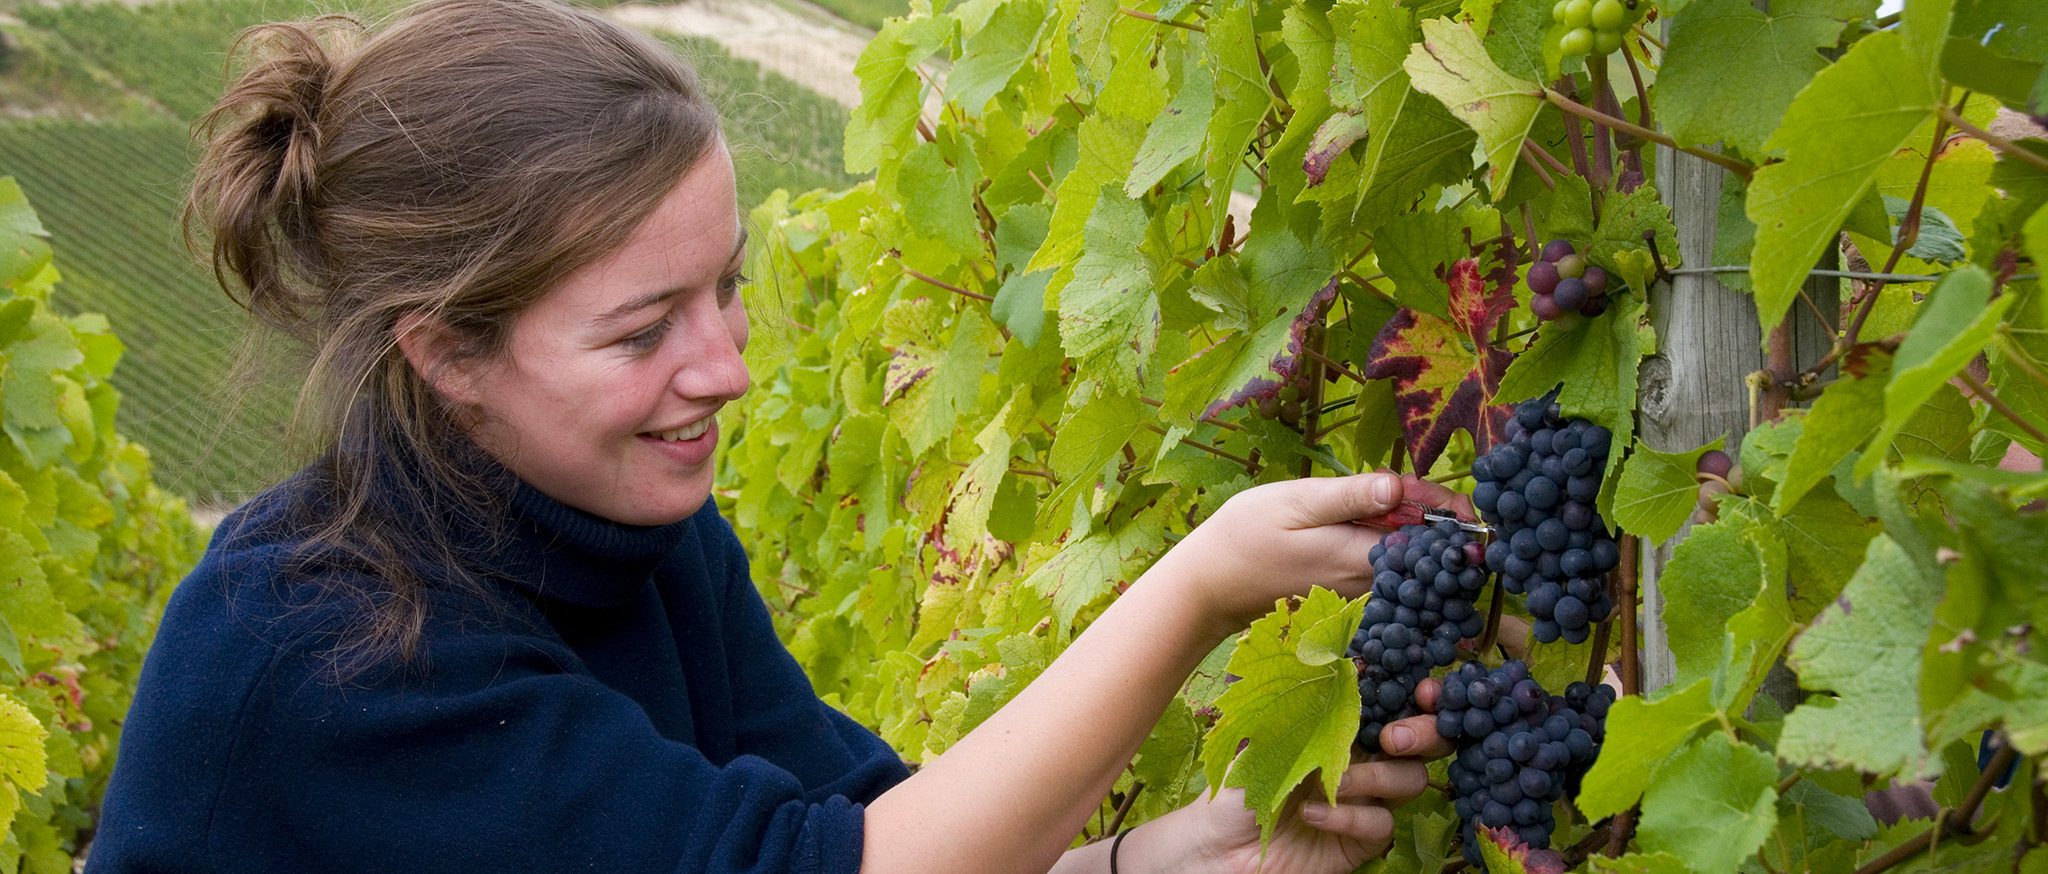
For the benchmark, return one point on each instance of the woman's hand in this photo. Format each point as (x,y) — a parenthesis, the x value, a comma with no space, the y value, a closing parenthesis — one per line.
(1276,540)
(1218,834)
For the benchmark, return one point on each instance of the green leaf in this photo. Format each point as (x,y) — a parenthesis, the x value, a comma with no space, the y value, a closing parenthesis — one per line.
(1658,490)
(994,54)
(1451,65)
(1091,568)
(884,126)
(22,759)
(1242,99)
(1843,816)
(940,197)
(1860,649)
(974,493)
(1108,144)
(1713,804)
(1714,47)
(1295,710)
(1412,140)
(1835,136)
(1593,363)
(1842,420)
(1020,305)
(1639,863)
(1640,734)
(1957,322)
(1177,134)
(1718,572)
(1109,313)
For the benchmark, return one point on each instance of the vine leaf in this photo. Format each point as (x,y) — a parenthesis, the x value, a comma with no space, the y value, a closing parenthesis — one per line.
(1593,365)
(22,759)
(1446,374)
(994,54)
(1295,710)
(1640,734)
(1092,567)
(1725,606)
(1413,139)
(884,126)
(1860,648)
(1713,804)
(1958,320)
(1176,135)
(1836,135)
(1658,490)
(1841,420)
(1109,313)
(1451,65)
(1713,44)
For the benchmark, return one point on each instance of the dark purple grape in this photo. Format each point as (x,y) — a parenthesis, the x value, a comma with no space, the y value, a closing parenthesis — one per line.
(1714,462)
(1595,280)
(1570,294)
(1556,249)
(1542,277)
(1545,307)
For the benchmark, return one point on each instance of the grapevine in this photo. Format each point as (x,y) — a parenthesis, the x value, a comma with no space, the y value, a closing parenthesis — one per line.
(1539,490)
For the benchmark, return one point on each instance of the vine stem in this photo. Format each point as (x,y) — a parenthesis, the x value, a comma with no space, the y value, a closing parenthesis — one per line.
(1449,476)
(1595,116)
(929,280)
(1493,609)
(1147,16)
(1339,369)
(2003,145)
(1952,822)
(1575,136)
(1116,821)
(1206,420)
(2019,357)
(1603,140)
(1250,466)
(1983,392)
(1542,175)
(1631,663)
(1327,430)
(1548,159)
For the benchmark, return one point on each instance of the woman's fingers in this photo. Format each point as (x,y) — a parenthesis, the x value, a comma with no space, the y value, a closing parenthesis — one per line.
(1414,737)
(1415,489)
(1367,824)
(1316,501)
(1395,780)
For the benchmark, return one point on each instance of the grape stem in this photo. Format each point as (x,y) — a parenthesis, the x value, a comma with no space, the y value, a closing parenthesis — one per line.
(1206,420)
(1951,823)
(1595,116)
(1250,466)
(1548,160)
(1123,809)
(1984,394)
(929,280)
(1603,141)
(1542,175)
(1339,369)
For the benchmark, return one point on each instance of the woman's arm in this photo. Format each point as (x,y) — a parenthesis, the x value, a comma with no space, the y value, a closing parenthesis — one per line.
(1013,793)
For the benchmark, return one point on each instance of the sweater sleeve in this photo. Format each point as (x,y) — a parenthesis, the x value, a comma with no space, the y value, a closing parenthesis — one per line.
(777,714)
(496,758)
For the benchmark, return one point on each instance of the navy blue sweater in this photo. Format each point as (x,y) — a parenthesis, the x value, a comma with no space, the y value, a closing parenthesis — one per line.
(625,707)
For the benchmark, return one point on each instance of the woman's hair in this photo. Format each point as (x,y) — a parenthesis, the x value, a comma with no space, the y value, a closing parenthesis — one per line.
(457,162)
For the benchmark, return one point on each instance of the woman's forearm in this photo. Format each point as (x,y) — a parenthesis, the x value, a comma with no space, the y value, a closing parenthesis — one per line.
(1013,793)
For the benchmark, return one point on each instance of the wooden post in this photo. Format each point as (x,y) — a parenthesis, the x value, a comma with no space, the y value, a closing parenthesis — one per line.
(1708,343)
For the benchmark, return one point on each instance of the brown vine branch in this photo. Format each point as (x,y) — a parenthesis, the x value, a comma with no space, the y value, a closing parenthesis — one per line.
(1549,160)
(1335,367)
(1603,140)
(929,280)
(1631,663)
(1250,466)
(1123,809)
(1596,661)
(1642,96)
(1492,631)
(1983,393)
(1575,139)
(1206,420)
(2003,145)
(1575,108)
(1952,822)
(1542,175)
(1331,428)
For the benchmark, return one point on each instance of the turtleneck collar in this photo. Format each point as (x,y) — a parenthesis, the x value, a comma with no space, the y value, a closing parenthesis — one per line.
(538,543)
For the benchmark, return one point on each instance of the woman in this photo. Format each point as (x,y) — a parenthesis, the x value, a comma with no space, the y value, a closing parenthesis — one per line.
(497,625)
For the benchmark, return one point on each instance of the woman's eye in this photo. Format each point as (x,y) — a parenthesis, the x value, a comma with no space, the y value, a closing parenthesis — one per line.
(648,339)
(730,286)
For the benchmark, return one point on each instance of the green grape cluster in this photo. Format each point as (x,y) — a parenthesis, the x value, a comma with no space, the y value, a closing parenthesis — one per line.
(1595,26)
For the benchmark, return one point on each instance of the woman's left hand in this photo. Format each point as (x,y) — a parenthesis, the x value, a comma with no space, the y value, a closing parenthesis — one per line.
(1217,833)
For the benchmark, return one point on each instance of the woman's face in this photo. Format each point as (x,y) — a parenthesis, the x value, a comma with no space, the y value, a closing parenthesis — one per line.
(605,397)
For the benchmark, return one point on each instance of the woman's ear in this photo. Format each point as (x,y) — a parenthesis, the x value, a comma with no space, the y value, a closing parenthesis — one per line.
(430,346)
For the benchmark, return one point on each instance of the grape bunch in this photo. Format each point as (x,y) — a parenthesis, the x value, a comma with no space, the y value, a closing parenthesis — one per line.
(1562,281)
(1284,401)
(1594,27)
(1537,490)
(1426,579)
(1520,749)
(1718,474)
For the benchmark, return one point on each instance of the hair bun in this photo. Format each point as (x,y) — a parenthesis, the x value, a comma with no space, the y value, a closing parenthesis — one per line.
(256,185)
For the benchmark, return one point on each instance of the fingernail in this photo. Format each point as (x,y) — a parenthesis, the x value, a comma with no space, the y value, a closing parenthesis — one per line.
(1315,813)
(1403,738)
(1387,490)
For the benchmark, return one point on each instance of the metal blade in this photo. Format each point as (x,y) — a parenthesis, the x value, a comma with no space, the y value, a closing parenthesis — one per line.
(1473,527)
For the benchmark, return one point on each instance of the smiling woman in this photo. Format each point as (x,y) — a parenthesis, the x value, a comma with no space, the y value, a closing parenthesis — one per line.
(496,625)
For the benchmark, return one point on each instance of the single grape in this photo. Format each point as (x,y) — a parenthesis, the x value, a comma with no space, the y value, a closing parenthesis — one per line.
(1578,13)
(1595,280)
(1578,41)
(1542,277)
(1573,266)
(1606,42)
(1608,15)
(1570,294)
(1716,463)
(1544,305)
(1557,10)
(1557,249)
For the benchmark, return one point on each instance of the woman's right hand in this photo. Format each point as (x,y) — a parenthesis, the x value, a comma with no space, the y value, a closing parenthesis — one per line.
(1276,540)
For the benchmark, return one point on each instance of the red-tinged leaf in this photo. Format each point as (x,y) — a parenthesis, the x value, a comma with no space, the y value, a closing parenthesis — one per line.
(1505,853)
(1336,135)
(1446,373)
(1287,362)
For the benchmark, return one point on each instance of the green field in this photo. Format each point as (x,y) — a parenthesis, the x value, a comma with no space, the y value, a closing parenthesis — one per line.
(106,162)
